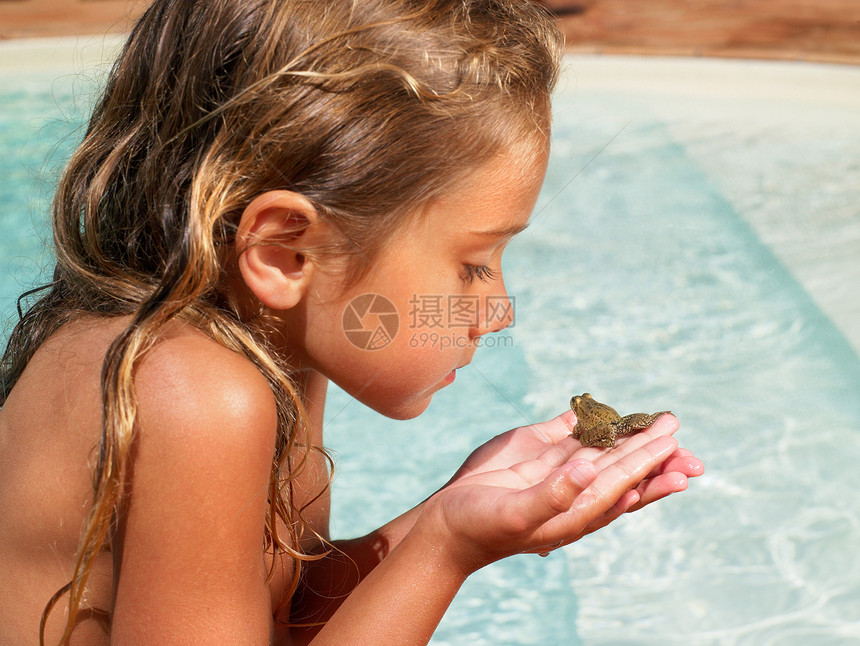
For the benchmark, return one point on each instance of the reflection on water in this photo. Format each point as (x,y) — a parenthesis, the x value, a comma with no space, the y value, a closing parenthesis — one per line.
(645,280)
(672,298)
(662,272)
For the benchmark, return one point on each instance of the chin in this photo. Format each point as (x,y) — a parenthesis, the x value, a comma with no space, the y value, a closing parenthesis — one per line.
(395,397)
(401,409)
(407,410)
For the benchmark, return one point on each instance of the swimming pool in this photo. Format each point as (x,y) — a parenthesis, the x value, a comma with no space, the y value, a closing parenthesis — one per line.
(696,247)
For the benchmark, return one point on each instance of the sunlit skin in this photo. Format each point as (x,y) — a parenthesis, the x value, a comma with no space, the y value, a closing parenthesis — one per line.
(186,563)
(453,247)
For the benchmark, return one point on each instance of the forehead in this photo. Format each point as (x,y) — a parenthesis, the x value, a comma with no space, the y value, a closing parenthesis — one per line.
(496,198)
(522,164)
(513,175)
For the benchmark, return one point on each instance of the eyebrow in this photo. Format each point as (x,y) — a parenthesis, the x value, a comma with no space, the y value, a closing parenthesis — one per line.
(502,232)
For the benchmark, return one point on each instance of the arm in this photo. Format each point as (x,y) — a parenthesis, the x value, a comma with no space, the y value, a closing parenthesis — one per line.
(330,580)
(188,561)
(189,565)
(482,518)
(326,583)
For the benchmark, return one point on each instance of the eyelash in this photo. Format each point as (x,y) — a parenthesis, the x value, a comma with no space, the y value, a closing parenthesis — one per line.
(481,272)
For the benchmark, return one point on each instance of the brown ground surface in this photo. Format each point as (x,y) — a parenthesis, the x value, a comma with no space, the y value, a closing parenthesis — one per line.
(813,30)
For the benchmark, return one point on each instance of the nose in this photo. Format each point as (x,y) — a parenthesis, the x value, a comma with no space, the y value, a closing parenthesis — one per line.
(497,313)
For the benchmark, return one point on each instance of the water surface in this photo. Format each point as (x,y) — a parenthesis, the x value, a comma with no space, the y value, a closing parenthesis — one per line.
(695,247)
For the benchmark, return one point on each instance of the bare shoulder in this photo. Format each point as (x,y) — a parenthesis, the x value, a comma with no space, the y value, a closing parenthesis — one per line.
(191,382)
(188,556)
(191,539)
(205,431)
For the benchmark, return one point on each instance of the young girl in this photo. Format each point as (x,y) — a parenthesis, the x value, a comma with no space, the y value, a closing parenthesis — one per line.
(253,167)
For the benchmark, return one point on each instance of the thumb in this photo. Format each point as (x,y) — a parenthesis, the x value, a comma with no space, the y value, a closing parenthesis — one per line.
(556,493)
(556,429)
(567,482)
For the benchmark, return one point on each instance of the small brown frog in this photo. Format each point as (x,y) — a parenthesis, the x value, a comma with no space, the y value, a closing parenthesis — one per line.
(599,425)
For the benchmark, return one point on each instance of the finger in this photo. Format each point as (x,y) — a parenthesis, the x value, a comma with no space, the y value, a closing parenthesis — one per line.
(561,452)
(557,434)
(593,508)
(689,465)
(555,430)
(532,471)
(552,496)
(627,502)
(682,453)
(656,488)
(624,504)
(622,475)
(665,425)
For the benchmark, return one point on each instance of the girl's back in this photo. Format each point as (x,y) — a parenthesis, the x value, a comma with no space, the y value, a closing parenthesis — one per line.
(50,429)
(49,435)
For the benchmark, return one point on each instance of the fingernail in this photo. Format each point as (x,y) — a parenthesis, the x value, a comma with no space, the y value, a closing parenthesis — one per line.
(582,471)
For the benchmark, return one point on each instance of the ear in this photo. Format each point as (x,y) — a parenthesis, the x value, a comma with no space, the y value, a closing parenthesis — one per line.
(274,232)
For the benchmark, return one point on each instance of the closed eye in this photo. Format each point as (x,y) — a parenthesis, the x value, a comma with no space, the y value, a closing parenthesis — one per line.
(481,272)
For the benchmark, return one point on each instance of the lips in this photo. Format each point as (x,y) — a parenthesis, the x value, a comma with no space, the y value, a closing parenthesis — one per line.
(453,374)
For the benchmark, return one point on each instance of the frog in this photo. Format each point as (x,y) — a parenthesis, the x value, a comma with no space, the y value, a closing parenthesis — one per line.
(600,425)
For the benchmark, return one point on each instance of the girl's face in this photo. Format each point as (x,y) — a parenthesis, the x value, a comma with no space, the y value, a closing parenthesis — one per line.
(397,336)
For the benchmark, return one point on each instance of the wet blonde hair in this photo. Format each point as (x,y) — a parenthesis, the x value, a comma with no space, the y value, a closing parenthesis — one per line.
(368,108)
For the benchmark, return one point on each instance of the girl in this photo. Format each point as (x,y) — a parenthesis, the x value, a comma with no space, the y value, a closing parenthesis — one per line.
(253,168)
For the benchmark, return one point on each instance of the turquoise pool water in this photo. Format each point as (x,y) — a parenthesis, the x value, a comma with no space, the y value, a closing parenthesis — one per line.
(696,247)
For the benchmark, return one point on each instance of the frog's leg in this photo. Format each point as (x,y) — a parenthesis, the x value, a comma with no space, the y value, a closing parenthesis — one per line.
(600,435)
(635,422)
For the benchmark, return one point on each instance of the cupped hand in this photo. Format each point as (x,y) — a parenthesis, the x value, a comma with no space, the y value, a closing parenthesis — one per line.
(541,502)
(521,444)
(551,442)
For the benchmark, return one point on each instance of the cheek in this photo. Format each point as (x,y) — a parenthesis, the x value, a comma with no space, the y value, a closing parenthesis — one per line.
(417,362)
(432,349)
(397,381)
